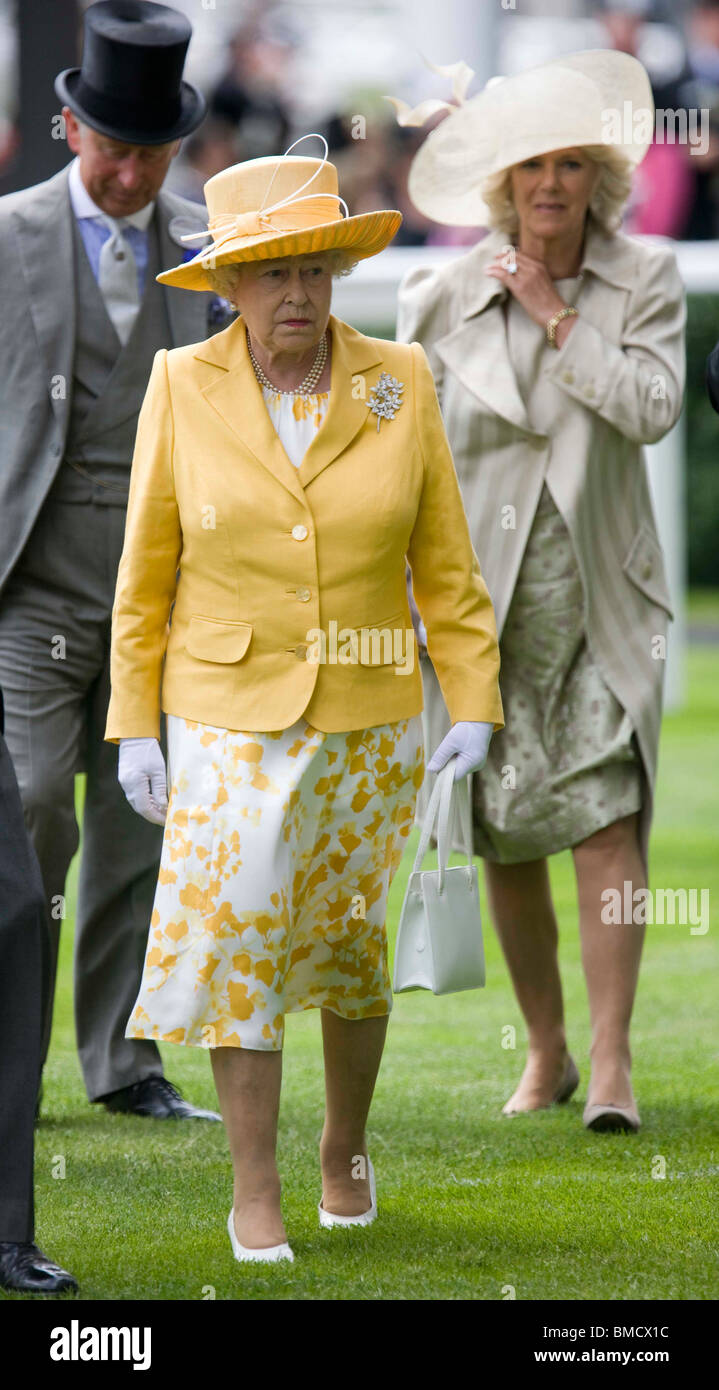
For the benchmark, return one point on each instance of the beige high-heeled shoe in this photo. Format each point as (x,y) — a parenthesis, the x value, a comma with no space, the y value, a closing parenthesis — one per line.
(611,1117)
(564,1091)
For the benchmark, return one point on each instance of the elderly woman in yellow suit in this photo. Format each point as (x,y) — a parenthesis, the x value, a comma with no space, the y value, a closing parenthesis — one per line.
(285,472)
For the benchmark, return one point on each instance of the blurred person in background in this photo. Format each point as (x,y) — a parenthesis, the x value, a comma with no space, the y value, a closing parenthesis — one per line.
(557,347)
(204,153)
(712,377)
(660,203)
(251,96)
(416,230)
(702,92)
(374,168)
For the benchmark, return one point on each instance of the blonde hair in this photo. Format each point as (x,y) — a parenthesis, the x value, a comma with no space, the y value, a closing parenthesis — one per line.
(225,278)
(606,204)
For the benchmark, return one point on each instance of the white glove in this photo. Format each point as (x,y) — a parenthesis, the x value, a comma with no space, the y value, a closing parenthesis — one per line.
(470,741)
(141,773)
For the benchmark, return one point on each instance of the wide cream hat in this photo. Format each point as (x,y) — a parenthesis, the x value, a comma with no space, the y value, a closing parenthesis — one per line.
(285,205)
(596,97)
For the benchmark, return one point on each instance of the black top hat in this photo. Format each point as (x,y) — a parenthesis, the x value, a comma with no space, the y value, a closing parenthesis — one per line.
(130,84)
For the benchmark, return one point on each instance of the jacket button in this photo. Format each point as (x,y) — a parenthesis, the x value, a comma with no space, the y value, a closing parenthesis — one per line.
(589,391)
(303,595)
(299,533)
(301,653)
(647,569)
(568,377)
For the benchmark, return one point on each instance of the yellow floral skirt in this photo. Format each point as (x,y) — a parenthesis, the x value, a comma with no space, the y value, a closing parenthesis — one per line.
(278,854)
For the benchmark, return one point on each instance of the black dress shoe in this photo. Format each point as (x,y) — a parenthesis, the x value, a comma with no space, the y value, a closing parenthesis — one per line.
(156,1097)
(25,1269)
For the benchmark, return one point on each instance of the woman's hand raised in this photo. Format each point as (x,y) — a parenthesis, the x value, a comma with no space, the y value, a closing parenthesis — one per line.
(531,285)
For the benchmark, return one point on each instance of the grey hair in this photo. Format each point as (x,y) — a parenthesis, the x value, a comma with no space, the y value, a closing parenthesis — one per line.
(609,195)
(225,279)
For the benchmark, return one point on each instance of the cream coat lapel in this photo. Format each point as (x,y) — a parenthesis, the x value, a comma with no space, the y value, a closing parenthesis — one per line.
(610,258)
(44,232)
(476,351)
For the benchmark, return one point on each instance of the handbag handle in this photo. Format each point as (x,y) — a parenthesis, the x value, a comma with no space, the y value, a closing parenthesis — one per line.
(460,791)
(438,809)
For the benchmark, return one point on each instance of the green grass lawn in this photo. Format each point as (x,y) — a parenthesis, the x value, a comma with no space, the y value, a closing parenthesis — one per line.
(472,1205)
(703,606)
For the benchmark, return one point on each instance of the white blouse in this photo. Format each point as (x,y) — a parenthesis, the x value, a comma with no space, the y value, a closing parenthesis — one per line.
(296,419)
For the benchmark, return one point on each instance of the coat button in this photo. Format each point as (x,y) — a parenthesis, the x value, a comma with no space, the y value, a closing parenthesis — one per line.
(647,569)
(299,533)
(568,377)
(301,653)
(589,391)
(304,595)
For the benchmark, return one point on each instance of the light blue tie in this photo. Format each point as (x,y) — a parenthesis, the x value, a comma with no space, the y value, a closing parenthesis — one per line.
(118,280)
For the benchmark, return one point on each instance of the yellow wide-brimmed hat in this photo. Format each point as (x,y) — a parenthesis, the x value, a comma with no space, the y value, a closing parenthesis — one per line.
(595,97)
(259,210)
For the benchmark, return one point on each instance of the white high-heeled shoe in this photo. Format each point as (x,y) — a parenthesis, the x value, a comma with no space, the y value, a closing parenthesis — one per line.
(267,1254)
(365,1218)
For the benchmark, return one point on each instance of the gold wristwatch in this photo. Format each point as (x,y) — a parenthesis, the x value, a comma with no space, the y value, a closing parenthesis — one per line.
(551,326)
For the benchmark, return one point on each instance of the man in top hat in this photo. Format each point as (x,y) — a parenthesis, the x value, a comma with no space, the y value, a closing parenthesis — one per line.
(83,318)
(24,942)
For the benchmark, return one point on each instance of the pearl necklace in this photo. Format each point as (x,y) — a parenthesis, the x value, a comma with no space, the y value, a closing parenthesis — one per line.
(305,387)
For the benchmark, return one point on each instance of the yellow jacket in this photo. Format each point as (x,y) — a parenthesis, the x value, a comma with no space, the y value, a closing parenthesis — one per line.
(256,554)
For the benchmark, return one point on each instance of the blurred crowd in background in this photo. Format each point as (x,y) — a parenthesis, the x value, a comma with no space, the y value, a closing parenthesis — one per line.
(272,71)
(255,105)
(254,108)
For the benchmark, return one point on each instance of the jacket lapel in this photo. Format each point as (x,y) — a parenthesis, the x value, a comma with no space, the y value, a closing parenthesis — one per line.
(476,351)
(45,241)
(347,412)
(610,258)
(186,309)
(237,397)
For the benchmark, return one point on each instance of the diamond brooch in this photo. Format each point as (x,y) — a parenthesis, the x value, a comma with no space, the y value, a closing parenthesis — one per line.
(385,398)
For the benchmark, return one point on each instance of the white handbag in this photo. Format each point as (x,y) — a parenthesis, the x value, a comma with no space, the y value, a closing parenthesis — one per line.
(439,940)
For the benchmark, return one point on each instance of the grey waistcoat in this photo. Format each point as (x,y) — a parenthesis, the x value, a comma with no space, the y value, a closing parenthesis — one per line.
(108,385)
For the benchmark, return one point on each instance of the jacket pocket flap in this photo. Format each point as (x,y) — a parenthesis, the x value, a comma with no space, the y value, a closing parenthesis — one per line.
(218,639)
(376,641)
(644,565)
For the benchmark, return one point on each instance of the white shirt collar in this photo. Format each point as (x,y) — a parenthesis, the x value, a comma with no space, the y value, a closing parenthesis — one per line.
(84,206)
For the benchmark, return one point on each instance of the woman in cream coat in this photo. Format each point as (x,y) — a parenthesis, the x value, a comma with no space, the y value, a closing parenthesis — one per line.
(557,349)
(284,473)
